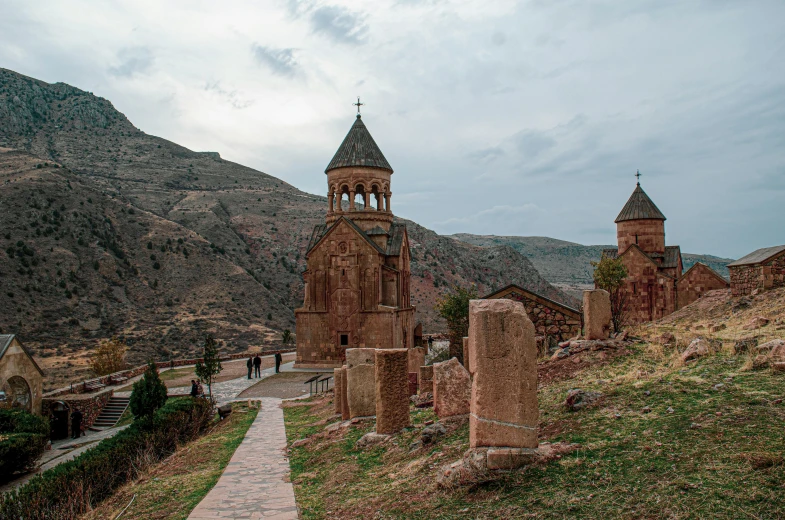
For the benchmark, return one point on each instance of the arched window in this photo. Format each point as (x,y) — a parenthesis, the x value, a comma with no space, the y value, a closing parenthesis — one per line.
(19,393)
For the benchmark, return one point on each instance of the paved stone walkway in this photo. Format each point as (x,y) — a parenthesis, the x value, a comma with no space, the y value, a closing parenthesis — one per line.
(255,483)
(227,391)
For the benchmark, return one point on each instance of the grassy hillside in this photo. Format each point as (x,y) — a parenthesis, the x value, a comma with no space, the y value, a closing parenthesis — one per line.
(667,439)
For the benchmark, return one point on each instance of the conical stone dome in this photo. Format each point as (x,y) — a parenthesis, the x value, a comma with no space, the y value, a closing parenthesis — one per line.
(359,149)
(639,207)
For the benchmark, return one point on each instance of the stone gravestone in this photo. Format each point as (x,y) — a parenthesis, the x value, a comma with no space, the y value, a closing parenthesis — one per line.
(344,395)
(503,355)
(596,314)
(452,388)
(426,379)
(416,360)
(361,382)
(338,383)
(466,355)
(392,392)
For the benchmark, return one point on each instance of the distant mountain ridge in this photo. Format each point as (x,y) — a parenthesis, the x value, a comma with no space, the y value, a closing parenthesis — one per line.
(567,264)
(132,235)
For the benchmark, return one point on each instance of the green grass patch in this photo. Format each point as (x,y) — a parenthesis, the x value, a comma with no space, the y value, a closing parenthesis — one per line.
(173,488)
(667,441)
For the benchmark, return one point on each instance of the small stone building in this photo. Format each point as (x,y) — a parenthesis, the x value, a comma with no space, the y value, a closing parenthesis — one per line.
(550,318)
(358,263)
(21,379)
(760,270)
(699,279)
(655,286)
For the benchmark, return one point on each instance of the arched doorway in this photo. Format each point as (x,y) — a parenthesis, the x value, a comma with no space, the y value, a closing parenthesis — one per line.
(59,420)
(19,393)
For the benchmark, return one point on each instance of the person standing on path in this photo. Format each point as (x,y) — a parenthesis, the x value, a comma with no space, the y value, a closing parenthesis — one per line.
(278,360)
(194,388)
(76,424)
(257,364)
(249,364)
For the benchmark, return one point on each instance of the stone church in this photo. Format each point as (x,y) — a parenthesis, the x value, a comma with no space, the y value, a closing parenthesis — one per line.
(358,262)
(656,285)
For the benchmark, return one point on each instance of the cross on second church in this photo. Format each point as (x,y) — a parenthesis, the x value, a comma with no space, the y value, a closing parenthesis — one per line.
(637,174)
(358,105)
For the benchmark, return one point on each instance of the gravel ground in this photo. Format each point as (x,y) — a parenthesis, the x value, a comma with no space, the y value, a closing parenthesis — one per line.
(283,386)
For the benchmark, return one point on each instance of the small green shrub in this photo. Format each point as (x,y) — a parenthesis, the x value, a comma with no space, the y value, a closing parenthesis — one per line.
(149,393)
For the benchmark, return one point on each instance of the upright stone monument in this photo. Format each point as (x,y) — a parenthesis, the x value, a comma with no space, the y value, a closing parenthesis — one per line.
(596,314)
(503,356)
(337,389)
(466,355)
(452,387)
(344,395)
(392,390)
(361,382)
(426,380)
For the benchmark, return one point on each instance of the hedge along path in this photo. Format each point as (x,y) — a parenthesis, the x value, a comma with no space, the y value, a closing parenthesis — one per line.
(174,487)
(255,484)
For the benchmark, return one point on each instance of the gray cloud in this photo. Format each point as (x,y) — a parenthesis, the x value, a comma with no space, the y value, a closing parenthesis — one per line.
(133,60)
(280,61)
(338,23)
(232,96)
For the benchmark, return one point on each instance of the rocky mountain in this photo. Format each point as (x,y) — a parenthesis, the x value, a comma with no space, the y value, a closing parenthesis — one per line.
(567,265)
(106,230)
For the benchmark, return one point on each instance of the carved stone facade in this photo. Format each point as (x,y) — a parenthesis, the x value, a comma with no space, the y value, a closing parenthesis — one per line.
(758,271)
(358,263)
(655,286)
(550,318)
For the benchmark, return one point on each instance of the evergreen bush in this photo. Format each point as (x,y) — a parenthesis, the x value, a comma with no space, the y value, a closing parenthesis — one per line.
(148,394)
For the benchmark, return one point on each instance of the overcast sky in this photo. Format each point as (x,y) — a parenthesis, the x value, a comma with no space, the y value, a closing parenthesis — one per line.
(498,117)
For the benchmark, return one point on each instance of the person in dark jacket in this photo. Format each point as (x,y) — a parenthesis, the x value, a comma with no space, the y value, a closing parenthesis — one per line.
(249,364)
(76,424)
(194,388)
(278,360)
(257,366)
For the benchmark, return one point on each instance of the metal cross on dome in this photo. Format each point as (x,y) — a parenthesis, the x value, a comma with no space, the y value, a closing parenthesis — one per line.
(638,174)
(358,105)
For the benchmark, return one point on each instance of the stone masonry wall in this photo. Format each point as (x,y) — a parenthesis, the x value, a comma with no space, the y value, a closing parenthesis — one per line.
(89,404)
(744,279)
(548,320)
(696,282)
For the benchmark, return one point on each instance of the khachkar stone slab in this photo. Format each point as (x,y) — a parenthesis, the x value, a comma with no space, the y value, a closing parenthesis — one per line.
(337,388)
(416,359)
(361,382)
(426,380)
(466,355)
(344,395)
(392,390)
(452,387)
(503,355)
(596,314)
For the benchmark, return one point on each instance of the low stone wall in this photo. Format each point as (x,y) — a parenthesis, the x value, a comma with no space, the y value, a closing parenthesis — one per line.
(89,404)
(549,318)
(79,388)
